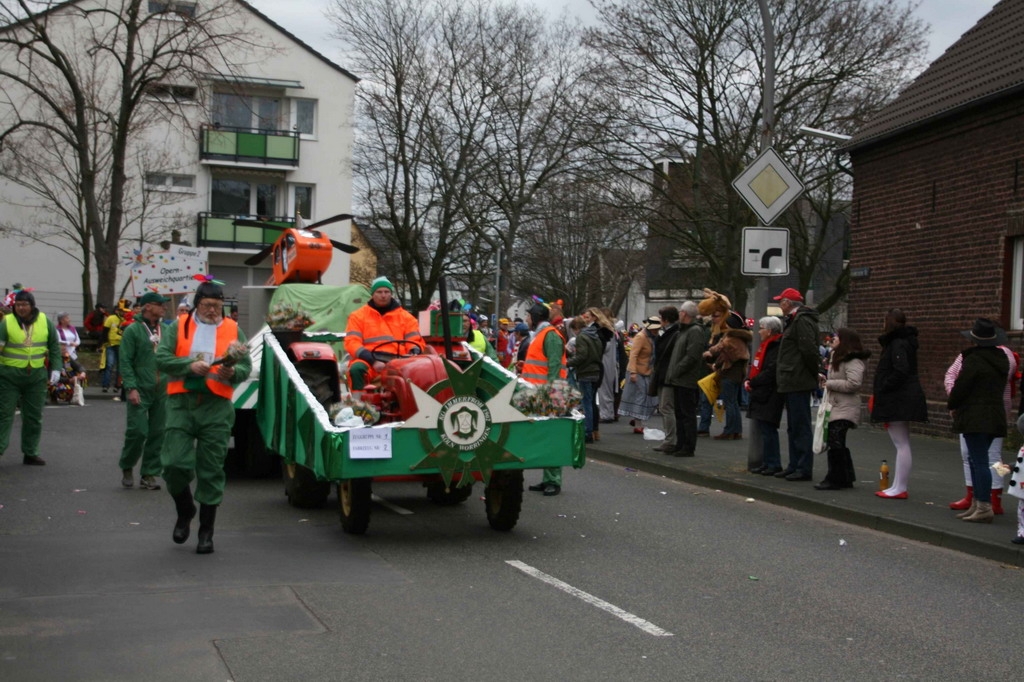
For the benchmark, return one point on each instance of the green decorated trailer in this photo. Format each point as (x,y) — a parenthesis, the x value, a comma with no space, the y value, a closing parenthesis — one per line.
(449,421)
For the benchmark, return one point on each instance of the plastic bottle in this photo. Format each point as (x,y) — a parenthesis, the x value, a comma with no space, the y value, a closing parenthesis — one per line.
(883,476)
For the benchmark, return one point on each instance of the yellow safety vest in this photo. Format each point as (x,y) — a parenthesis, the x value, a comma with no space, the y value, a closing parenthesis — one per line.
(24,350)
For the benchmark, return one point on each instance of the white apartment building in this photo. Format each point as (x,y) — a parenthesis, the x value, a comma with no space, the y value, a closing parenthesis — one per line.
(266,142)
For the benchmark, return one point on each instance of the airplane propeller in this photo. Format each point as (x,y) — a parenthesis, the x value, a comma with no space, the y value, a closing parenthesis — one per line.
(341,246)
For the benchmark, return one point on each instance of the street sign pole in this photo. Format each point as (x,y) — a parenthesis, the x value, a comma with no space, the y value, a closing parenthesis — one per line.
(755,453)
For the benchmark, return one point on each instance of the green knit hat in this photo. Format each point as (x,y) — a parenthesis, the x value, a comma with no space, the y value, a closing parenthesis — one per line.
(381,282)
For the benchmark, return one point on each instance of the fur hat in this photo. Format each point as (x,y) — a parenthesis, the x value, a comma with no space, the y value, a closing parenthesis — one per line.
(714,302)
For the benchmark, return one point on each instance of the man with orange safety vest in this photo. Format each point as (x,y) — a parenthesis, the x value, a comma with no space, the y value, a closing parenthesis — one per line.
(201,357)
(545,362)
(27,339)
(380,330)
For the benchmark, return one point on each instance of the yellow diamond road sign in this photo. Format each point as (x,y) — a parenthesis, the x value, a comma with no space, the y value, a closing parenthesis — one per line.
(768,186)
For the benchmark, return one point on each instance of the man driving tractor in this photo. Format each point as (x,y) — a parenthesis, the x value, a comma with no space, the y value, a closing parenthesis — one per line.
(377,332)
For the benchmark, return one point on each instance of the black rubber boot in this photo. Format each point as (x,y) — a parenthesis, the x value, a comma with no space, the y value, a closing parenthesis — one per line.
(207,517)
(851,475)
(186,510)
(834,478)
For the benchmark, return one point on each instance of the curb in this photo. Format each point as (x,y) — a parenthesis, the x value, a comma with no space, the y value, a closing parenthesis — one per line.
(1009,555)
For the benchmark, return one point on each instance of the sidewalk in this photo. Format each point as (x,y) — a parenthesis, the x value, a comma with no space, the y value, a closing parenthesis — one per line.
(936,479)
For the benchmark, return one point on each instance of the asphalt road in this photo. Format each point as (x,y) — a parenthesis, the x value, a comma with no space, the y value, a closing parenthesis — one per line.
(623,576)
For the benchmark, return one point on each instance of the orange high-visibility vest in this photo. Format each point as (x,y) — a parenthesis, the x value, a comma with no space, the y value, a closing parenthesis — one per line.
(226,333)
(535,368)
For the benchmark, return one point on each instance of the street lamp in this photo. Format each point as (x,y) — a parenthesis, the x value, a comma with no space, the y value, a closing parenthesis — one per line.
(824,134)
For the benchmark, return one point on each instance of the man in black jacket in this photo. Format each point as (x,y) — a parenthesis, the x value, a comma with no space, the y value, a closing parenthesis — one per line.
(666,394)
(686,367)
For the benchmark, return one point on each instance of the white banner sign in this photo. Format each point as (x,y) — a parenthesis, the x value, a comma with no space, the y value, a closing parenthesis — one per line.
(369,443)
(165,272)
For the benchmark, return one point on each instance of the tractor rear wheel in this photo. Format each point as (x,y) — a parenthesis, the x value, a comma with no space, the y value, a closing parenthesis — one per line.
(302,488)
(503,499)
(354,504)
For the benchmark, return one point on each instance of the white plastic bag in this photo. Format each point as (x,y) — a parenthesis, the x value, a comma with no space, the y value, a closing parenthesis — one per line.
(821,425)
(653,434)
(79,396)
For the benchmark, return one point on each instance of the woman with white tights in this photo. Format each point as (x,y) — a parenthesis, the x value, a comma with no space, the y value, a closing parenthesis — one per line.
(898,398)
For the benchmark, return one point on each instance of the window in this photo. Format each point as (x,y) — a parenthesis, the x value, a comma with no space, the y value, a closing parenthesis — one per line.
(231,196)
(169,182)
(304,116)
(182,9)
(241,197)
(172,93)
(304,201)
(246,111)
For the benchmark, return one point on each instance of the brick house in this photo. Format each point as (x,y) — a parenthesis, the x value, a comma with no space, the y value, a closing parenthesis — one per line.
(938,203)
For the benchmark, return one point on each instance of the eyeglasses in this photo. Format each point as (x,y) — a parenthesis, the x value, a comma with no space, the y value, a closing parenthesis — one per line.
(210,305)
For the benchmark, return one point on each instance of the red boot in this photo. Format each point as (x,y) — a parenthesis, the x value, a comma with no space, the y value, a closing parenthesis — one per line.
(997,502)
(964,503)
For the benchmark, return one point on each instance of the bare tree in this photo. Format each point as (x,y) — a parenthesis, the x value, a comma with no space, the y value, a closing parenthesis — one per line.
(695,73)
(418,120)
(468,109)
(78,84)
(585,250)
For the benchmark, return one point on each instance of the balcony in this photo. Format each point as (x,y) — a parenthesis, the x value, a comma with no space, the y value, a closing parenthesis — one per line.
(215,229)
(248,146)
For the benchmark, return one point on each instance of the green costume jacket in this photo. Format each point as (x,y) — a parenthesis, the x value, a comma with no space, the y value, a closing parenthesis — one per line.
(138,358)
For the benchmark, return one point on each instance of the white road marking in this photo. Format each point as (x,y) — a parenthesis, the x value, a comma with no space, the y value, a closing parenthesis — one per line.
(393,507)
(636,621)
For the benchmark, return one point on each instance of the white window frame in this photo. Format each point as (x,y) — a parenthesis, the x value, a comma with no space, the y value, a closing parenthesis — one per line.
(1017,289)
(172,9)
(166,92)
(294,114)
(293,202)
(168,184)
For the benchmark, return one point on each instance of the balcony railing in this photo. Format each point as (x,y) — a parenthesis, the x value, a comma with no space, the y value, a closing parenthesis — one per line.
(216,229)
(248,145)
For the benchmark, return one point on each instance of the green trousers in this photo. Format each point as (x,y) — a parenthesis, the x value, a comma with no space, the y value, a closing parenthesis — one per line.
(26,387)
(144,432)
(196,444)
(552,475)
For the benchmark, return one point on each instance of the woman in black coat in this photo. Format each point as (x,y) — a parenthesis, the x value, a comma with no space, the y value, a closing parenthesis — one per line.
(766,404)
(976,403)
(898,398)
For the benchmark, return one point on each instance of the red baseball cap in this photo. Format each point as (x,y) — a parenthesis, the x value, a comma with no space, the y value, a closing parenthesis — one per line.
(791,293)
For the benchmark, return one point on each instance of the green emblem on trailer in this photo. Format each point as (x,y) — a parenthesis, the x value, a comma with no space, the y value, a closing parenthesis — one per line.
(464,421)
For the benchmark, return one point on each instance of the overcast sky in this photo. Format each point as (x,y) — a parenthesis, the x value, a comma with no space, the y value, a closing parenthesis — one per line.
(948,19)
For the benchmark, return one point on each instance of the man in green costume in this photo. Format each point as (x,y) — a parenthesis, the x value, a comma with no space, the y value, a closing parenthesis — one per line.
(27,339)
(146,394)
(204,357)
